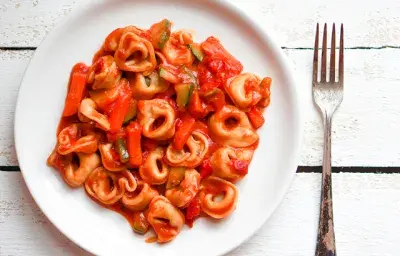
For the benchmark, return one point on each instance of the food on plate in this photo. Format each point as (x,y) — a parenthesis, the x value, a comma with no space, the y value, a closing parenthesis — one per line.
(159,128)
(218,197)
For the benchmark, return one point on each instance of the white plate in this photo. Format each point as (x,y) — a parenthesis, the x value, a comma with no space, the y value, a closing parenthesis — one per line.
(41,99)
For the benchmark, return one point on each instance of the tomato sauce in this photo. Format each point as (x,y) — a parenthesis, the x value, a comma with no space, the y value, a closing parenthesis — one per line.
(121,209)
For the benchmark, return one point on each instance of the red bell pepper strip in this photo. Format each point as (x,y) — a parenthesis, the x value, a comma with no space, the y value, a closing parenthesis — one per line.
(183,131)
(196,108)
(256,117)
(134,134)
(76,88)
(120,108)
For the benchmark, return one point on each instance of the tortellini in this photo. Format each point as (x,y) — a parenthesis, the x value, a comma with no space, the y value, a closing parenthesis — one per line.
(166,220)
(75,175)
(112,40)
(108,160)
(218,197)
(145,87)
(247,90)
(181,194)
(197,145)
(105,97)
(157,117)
(135,54)
(104,73)
(231,127)
(107,187)
(88,109)
(154,170)
(241,90)
(231,164)
(57,160)
(139,199)
(176,50)
(78,138)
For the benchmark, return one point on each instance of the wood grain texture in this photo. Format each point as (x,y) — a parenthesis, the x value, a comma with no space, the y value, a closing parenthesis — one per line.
(365,130)
(300,169)
(371,24)
(366,207)
(365,127)
(12,68)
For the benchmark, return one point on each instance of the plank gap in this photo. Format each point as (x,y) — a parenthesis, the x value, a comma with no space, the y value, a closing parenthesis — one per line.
(349,169)
(22,48)
(8,48)
(9,168)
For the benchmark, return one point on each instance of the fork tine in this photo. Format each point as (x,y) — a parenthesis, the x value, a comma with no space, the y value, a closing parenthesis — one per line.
(315,61)
(341,57)
(332,62)
(323,62)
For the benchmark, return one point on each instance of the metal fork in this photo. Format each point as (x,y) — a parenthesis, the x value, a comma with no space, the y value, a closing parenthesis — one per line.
(327,95)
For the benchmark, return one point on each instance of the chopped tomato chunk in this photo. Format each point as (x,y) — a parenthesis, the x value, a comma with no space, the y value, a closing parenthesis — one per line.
(184,129)
(205,169)
(214,48)
(192,211)
(215,97)
(196,107)
(218,65)
(134,134)
(241,167)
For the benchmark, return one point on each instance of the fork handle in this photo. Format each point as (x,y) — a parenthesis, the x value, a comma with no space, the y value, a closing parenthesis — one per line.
(326,234)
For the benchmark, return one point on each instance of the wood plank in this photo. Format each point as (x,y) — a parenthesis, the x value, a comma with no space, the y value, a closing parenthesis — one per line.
(300,169)
(367,121)
(12,68)
(366,210)
(371,24)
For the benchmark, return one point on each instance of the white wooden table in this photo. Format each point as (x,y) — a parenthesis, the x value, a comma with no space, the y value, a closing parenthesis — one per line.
(365,130)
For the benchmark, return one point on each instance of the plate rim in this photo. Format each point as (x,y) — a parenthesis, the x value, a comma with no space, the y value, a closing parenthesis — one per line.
(267,34)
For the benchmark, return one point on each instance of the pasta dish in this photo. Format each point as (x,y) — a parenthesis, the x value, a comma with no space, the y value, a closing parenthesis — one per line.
(159,128)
